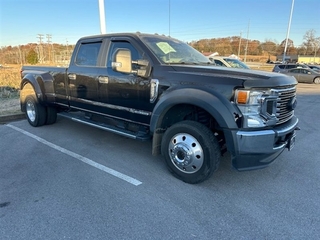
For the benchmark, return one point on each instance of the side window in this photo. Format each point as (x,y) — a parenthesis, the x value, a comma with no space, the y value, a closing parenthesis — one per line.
(135,54)
(291,66)
(88,54)
(219,63)
(281,66)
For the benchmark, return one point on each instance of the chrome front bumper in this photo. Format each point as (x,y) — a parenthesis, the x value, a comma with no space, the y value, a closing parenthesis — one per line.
(257,149)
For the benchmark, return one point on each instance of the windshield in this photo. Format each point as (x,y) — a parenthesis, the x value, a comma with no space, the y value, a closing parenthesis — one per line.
(236,63)
(172,51)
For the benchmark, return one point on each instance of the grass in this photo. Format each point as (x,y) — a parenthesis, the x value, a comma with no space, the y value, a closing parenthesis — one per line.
(9,90)
(10,76)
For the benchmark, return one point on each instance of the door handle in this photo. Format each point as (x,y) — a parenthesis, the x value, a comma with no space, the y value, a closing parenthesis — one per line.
(103,79)
(72,76)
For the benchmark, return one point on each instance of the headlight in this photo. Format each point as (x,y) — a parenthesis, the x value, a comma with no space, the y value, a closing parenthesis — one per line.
(257,106)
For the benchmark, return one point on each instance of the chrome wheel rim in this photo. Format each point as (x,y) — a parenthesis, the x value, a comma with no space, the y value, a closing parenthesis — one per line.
(186,153)
(31,112)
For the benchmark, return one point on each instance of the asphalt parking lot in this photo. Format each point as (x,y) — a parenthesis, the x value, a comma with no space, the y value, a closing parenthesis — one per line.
(70,181)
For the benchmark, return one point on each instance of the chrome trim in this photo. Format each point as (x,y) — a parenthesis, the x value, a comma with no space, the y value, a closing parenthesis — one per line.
(154,85)
(72,76)
(111,106)
(263,141)
(103,79)
(286,98)
(107,115)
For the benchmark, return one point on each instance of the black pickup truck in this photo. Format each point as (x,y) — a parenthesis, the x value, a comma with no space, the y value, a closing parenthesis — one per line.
(146,86)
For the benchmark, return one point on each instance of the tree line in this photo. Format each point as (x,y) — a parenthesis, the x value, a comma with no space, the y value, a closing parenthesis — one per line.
(241,46)
(34,53)
(54,53)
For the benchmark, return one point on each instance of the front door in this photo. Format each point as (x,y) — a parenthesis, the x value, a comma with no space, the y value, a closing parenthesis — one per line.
(128,95)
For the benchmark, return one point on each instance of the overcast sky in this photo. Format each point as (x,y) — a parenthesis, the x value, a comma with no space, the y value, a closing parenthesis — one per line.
(65,21)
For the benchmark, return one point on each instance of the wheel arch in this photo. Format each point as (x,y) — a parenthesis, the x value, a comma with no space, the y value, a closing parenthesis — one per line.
(217,106)
(32,84)
(214,103)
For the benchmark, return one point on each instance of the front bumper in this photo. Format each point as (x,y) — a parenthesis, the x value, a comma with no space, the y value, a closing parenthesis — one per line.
(257,149)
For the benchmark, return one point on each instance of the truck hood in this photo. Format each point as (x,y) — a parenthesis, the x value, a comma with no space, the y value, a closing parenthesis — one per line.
(249,78)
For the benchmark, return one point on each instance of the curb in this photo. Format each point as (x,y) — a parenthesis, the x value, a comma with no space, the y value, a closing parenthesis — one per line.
(13,117)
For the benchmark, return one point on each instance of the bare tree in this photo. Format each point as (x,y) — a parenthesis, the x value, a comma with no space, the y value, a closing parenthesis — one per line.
(310,42)
(316,46)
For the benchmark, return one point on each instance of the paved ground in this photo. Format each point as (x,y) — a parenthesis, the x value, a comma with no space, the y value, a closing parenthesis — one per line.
(69,181)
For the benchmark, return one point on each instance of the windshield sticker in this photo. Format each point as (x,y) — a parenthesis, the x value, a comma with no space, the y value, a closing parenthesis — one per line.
(165,47)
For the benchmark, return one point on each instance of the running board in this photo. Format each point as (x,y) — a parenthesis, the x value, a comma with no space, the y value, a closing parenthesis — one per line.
(123,132)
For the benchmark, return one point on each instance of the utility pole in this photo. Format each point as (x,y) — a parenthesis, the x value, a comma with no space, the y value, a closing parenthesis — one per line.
(102,17)
(20,55)
(40,36)
(239,45)
(246,49)
(67,54)
(289,25)
(48,47)
(169,17)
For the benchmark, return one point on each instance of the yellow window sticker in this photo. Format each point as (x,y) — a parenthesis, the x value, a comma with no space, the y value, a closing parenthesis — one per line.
(165,47)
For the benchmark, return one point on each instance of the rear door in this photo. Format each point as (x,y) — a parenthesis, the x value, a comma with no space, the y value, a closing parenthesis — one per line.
(83,75)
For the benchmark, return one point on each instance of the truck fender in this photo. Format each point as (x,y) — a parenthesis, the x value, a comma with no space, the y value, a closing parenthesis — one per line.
(214,103)
(34,84)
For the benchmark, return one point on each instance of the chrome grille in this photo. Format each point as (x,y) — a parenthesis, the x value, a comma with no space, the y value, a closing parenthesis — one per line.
(284,104)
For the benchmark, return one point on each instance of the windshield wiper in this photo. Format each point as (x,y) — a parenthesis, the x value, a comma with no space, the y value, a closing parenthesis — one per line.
(192,63)
(188,63)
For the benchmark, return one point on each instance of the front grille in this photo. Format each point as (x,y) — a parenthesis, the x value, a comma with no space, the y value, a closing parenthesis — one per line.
(285,104)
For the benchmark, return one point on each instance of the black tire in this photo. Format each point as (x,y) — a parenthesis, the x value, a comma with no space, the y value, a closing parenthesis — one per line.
(35,113)
(51,115)
(191,151)
(316,80)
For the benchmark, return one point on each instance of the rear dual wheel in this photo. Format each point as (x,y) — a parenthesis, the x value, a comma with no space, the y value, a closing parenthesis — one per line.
(191,151)
(38,115)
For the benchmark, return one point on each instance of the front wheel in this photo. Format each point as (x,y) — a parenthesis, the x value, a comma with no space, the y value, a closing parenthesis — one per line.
(191,151)
(316,80)
(35,113)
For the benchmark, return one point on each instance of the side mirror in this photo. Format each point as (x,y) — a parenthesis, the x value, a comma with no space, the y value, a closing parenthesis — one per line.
(123,62)
(144,68)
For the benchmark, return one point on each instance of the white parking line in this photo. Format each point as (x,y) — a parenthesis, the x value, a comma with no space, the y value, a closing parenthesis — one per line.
(79,157)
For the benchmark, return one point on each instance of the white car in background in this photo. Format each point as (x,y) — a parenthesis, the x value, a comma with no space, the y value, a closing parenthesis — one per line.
(228,62)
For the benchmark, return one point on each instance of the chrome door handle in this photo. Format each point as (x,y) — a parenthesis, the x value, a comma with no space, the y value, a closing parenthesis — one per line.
(72,76)
(103,79)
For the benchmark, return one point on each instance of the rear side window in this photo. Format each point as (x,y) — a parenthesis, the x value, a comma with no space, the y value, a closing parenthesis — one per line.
(281,66)
(291,66)
(88,54)
(219,63)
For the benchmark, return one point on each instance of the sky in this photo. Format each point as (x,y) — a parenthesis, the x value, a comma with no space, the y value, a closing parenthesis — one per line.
(65,21)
